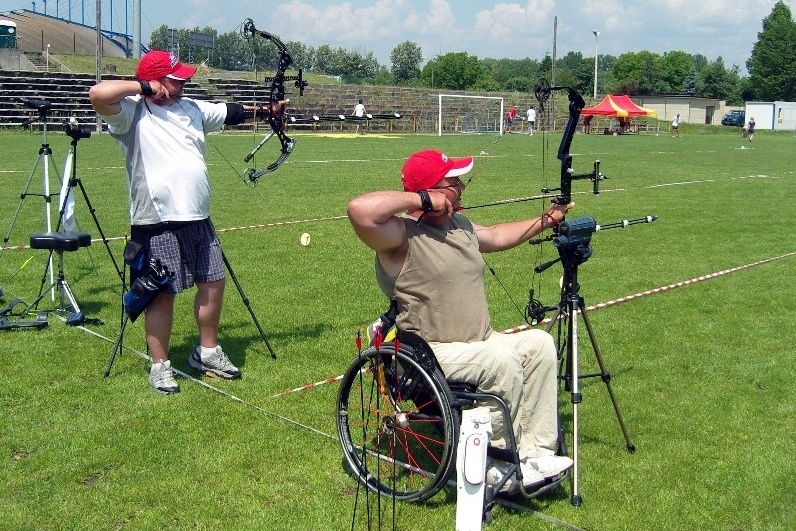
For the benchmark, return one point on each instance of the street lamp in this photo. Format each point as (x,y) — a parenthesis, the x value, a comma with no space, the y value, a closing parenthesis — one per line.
(596,40)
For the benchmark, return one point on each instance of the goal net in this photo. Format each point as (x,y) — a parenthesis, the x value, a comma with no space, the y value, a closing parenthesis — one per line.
(470,114)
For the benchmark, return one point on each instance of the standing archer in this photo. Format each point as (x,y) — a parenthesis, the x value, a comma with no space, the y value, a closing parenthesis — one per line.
(162,135)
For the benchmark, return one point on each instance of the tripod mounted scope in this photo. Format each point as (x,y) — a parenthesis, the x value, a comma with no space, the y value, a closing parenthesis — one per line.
(75,131)
(43,107)
(572,239)
(40,105)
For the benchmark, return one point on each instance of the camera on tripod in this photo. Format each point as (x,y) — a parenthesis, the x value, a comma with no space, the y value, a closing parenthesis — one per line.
(75,131)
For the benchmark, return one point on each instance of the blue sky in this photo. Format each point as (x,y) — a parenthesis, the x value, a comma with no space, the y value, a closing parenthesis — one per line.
(485,29)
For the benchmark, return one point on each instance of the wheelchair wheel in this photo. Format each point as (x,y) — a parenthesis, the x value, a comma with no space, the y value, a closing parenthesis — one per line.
(396,426)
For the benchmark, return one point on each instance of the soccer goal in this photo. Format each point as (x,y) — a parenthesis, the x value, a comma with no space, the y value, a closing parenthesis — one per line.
(470,114)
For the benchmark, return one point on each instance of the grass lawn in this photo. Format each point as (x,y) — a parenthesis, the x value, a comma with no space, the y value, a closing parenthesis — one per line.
(703,371)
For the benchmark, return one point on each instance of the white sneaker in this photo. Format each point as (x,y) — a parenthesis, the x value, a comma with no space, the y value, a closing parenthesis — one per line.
(498,470)
(548,466)
(162,379)
(217,365)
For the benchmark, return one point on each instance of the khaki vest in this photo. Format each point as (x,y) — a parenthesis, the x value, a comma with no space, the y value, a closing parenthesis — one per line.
(440,290)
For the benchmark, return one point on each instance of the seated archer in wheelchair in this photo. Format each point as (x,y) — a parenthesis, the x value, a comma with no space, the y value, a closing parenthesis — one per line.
(428,260)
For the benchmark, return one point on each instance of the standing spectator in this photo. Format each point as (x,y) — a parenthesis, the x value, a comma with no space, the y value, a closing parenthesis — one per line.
(162,135)
(587,123)
(510,118)
(750,129)
(676,125)
(531,117)
(359,112)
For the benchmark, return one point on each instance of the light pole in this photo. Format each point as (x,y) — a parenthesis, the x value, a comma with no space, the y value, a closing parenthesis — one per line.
(596,40)
(431,60)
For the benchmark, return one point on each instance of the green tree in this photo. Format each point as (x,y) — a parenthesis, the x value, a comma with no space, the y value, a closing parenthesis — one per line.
(303,56)
(454,71)
(230,53)
(158,39)
(772,65)
(546,67)
(715,81)
(690,81)
(639,73)
(406,59)
(512,74)
(675,67)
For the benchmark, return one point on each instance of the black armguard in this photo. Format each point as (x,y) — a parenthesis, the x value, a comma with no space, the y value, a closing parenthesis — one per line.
(146,88)
(235,114)
(425,201)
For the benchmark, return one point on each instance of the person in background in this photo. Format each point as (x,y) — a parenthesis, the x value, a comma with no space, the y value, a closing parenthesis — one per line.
(531,117)
(510,118)
(359,112)
(587,123)
(676,125)
(750,129)
(429,261)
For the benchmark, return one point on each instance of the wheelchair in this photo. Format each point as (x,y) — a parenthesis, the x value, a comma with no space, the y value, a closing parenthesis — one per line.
(398,424)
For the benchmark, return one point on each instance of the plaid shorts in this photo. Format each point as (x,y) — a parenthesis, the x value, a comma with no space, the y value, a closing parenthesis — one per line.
(190,249)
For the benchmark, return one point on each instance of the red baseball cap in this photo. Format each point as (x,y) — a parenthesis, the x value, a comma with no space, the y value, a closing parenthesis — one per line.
(426,168)
(157,64)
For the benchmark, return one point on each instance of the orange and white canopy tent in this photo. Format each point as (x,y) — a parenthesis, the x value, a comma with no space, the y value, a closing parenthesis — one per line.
(621,106)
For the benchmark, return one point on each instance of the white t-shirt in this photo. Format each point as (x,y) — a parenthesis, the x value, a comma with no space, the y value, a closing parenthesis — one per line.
(531,115)
(359,110)
(164,148)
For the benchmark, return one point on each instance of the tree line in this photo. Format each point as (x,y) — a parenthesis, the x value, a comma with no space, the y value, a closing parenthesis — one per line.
(771,66)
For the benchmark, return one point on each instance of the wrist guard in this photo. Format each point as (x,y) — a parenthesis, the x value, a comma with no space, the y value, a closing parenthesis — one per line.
(425,201)
(260,113)
(146,89)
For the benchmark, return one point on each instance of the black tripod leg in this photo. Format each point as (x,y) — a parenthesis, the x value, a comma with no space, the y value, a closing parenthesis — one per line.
(247,304)
(99,228)
(606,378)
(117,345)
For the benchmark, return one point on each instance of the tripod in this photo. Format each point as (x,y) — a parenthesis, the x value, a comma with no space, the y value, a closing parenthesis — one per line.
(45,153)
(70,181)
(125,318)
(76,133)
(573,247)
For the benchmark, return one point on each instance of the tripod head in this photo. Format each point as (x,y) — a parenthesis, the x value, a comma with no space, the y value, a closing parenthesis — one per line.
(572,239)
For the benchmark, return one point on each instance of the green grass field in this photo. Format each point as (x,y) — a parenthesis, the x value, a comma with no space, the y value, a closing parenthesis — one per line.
(703,372)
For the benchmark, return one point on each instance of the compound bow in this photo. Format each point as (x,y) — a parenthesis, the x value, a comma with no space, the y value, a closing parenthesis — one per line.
(535,311)
(276,103)
(571,238)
